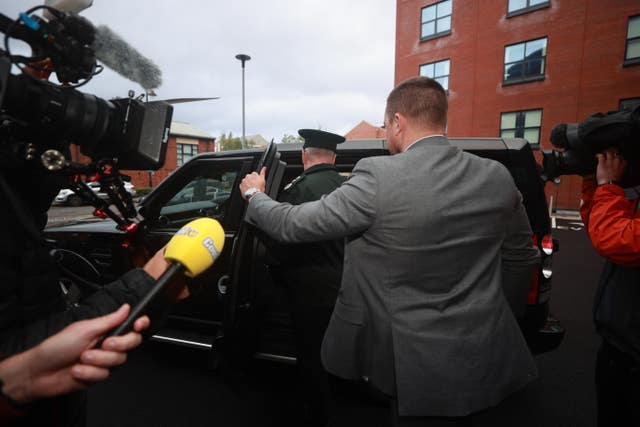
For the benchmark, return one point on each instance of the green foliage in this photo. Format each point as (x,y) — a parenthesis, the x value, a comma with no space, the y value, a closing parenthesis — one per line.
(143,191)
(228,142)
(287,139)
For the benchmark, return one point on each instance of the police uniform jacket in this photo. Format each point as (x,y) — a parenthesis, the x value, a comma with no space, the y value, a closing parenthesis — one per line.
(312,271)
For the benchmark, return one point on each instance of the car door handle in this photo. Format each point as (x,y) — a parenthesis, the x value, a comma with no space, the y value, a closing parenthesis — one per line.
(222,284)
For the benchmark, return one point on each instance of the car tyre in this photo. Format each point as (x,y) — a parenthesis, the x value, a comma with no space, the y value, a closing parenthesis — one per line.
(74,200)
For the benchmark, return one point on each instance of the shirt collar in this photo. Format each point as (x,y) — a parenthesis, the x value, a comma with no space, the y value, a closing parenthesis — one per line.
(423,137)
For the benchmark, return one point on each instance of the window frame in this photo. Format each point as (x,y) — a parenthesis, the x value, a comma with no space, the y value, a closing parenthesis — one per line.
(436,34)
(634,103)
(164,216)
(533,145)
(180,152)
(527,9)
(636,60)
(526,79)
(434,74)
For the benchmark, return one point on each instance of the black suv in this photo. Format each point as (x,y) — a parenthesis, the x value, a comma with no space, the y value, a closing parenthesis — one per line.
(236,303)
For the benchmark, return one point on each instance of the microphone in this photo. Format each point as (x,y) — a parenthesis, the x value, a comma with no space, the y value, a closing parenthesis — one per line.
(110,49)
(192,250)
(114,52)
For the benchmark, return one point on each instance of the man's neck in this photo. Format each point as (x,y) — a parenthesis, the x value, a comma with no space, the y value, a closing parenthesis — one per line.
(317,162)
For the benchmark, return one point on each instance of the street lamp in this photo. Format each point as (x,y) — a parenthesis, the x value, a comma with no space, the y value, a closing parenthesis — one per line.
(243,58)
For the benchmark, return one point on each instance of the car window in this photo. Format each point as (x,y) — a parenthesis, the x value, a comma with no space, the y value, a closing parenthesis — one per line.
(207,194)
(198,190)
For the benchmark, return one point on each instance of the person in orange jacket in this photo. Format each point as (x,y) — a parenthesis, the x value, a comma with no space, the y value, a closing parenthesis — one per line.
(612,219)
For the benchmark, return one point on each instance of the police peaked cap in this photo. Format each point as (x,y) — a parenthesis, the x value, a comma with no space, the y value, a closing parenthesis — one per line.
(320,139)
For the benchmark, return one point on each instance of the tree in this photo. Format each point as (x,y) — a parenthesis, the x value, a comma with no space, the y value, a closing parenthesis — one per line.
(287,139)
(229,142)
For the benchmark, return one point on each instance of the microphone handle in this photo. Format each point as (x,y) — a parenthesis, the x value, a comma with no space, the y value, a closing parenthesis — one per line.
(142,305)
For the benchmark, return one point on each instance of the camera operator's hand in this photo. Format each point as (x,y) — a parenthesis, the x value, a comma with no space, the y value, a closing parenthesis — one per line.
(66,361)
(611,166)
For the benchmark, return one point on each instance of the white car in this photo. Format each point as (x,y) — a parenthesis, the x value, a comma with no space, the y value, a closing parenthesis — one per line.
(68,197)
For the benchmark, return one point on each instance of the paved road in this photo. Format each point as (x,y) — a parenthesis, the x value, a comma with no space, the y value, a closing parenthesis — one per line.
(60,214)
(168,386)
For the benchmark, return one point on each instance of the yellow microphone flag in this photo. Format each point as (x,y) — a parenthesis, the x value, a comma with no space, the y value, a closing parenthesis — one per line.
(196,245)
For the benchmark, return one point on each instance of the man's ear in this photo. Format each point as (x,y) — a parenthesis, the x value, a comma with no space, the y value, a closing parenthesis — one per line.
(398,123)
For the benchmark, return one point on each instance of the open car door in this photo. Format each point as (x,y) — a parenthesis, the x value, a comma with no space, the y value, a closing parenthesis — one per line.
(236,291)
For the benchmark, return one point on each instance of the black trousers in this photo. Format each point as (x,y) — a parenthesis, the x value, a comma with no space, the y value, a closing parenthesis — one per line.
(310,324)
(617,387)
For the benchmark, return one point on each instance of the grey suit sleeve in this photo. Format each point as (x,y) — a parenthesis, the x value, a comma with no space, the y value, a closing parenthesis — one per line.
(519,257)
(348,210)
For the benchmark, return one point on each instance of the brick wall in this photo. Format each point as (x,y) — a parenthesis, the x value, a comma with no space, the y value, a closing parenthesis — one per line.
(584,71)
(146,179)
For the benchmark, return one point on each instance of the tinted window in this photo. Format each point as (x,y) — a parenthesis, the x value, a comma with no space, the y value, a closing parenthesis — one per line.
(207,194)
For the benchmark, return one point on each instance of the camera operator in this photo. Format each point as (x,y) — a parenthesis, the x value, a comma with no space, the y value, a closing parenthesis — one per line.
(32,304)
(612,220)
(39,119)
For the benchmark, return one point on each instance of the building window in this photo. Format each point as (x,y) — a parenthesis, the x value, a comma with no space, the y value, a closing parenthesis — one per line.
(629,104)
(632,52)
(525,62)
(518,7)
(438,71)
(436,20)
(186,152)
(522,124)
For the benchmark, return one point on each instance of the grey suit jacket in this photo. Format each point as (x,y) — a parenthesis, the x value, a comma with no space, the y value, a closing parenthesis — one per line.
(421,312)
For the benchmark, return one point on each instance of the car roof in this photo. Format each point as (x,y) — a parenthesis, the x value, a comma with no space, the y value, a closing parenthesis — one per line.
(380,144)
(513,153)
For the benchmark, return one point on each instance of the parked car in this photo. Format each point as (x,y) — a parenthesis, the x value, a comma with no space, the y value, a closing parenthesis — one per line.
(237,303)
(68,197)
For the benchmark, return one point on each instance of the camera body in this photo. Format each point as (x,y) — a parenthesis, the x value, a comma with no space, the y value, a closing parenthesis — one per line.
(582,141)
(34,112)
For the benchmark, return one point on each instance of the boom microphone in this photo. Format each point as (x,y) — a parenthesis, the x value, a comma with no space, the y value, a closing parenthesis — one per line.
(111,49)
(114,52)
(192,250)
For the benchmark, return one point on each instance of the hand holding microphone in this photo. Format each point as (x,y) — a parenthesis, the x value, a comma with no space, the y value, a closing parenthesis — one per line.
(192,250)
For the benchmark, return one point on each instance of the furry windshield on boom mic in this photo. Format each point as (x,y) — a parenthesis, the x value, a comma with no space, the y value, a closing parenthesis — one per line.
(124,59)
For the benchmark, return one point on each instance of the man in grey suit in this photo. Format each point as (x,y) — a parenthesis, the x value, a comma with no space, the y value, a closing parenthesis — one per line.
(433,235)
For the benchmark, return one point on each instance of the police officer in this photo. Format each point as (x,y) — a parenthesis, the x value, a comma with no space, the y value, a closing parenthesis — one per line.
(311,273)
(320,175)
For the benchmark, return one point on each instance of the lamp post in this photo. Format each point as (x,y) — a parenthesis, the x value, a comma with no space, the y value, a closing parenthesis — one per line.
(243,58)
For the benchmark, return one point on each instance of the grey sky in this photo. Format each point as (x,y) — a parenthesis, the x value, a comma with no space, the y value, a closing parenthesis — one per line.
(321,63)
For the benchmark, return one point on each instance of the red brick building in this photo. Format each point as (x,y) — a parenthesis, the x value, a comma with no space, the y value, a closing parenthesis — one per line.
(519,67)
(365,130)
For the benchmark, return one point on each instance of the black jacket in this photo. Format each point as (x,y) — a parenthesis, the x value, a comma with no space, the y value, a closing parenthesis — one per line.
(616,311)
(31,301)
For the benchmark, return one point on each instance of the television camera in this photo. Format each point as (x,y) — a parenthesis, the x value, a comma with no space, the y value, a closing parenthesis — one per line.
(582,141)
(39,119)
